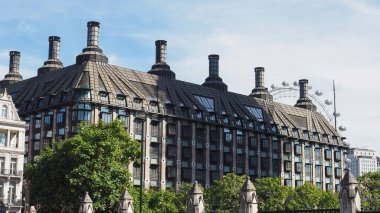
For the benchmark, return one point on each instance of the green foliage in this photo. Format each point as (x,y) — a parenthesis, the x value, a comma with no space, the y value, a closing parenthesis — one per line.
(328,200)
(182,196)
(271,194)
(95,160)
(224,194)
(369,186)
(305,197)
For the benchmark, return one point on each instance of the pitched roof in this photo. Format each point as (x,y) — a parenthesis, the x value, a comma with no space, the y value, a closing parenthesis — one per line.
(36,93)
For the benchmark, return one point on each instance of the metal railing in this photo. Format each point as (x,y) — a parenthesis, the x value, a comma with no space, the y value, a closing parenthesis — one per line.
(11,172)
(11,202)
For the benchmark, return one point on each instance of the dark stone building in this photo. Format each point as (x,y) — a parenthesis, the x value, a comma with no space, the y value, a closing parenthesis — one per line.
(190,132)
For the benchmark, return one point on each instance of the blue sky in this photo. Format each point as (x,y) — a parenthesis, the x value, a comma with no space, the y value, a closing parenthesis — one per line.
(314,39)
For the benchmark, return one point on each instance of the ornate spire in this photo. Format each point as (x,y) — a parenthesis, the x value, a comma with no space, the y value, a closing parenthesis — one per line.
(349,197)
(195,202)
(125,203)
(86,205)
(247,199)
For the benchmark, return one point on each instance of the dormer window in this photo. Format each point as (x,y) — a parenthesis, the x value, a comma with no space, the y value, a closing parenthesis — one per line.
(4,111)
(295,133)
(153,106)
(273,128)
(120,100)
(212,117)
(103,96)
(238,122)
(198,114)
(82,95)
(225,119)
(284,130)
(137,103)
(169,109)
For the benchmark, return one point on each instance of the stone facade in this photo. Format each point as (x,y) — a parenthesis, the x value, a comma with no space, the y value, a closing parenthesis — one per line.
(189,132)
(12,133)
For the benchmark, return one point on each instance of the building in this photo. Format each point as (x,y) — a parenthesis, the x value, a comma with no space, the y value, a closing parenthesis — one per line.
(363,160)
(189,132)
(12,133)
(378,164)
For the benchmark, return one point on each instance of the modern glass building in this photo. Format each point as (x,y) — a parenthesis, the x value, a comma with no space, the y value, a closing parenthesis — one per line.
(189,132)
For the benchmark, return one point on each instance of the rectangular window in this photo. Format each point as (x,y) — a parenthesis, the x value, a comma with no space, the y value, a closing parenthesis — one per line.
(264,144)
(287,148)
(298,149)
(36,145)
(256,112)
(13,166)
(3,139)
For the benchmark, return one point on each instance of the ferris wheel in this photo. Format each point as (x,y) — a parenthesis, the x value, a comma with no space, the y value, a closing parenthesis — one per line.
(326,108)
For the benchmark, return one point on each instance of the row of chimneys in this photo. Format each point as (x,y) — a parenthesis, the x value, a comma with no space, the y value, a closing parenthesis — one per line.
(93,53)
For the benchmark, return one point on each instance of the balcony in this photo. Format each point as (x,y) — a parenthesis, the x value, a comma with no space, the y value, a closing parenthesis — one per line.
(11,202)
(11,172)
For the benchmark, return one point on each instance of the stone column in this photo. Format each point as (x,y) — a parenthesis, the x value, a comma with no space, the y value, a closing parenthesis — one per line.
(248,198)
(221,152)
(146,138)
(234,135)
(207,163)
(195,203)
(349,197)
(193,147)
(68,123)
(246,150)
(163,155)
(259,156)
(179,158)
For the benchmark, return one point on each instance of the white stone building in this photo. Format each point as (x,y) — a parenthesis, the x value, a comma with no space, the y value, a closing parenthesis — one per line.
(363,160)
(12,140)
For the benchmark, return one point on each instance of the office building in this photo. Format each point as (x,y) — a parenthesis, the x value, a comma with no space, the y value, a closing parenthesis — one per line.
(189,131)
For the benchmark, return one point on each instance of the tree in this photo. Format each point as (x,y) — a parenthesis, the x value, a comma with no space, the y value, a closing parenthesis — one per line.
(224,194)
(304,197)
(328,200)
(369,189)
(95,160)
(271,194)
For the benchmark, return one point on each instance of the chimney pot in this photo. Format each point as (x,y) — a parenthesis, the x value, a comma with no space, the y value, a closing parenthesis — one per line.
(161,51)
(14,61)
(213,61)
(93,33)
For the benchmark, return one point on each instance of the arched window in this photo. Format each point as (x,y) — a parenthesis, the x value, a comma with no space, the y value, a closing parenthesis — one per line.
(4,111)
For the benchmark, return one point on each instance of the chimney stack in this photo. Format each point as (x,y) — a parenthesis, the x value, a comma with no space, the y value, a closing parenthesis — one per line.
(92,52)
(14,69)
(259,77)
(93,33)
(213,65)
(161,68)
(161,51)
(54,42)
(213,80)
(260,91)
(304,101)
(53,61)
(14,62)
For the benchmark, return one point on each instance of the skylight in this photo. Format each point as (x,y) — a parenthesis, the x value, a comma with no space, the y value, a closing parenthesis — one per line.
(256,112)
(208,103)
